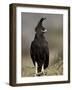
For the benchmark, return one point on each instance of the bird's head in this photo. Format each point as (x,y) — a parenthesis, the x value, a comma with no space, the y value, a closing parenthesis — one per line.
(40,28)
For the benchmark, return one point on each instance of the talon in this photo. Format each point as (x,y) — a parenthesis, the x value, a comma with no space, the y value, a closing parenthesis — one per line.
(39,74)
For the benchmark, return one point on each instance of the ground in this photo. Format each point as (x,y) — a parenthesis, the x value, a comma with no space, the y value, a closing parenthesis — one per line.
(55,67)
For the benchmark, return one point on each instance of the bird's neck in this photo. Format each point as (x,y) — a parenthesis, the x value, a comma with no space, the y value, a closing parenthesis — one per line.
(39,36)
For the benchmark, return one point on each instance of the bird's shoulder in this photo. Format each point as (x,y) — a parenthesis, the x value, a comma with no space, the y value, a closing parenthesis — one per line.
(35,43)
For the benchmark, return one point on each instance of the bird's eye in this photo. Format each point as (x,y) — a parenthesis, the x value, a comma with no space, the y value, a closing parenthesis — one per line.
(45,30)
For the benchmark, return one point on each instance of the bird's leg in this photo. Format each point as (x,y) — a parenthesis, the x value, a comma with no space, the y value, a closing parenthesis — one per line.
(42,69)
(45,71)
(36,68)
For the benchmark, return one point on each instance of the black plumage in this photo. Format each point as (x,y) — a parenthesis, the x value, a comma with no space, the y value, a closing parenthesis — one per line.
(39,50)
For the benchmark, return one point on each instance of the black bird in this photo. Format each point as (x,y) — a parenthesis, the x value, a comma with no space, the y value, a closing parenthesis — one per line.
(39,50)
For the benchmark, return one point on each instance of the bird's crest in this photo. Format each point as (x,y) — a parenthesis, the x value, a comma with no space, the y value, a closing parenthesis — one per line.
(39,24)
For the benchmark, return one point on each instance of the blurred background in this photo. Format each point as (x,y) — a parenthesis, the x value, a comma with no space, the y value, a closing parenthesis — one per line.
(54,36)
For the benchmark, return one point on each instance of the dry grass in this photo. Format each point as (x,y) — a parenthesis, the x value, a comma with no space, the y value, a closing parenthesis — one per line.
(56,68)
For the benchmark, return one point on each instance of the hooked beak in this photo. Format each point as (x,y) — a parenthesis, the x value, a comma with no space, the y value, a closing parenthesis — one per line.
(44,30)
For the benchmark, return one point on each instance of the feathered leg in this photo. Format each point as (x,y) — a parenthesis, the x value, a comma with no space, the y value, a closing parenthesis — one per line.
(42,69)
(36,68)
